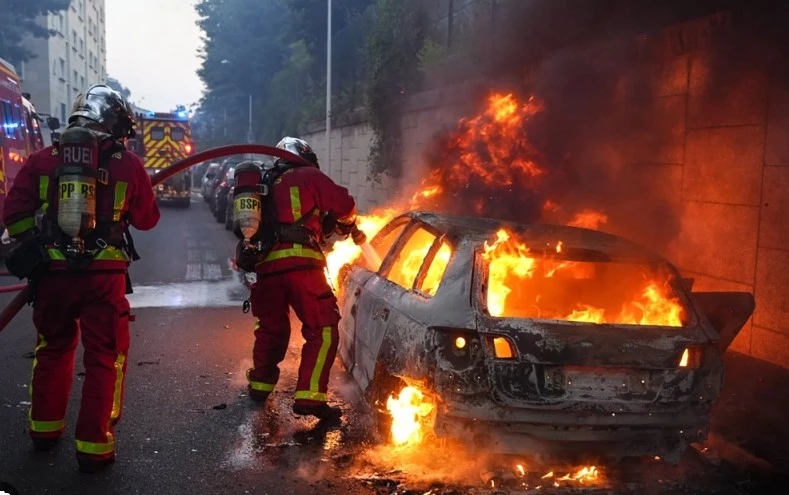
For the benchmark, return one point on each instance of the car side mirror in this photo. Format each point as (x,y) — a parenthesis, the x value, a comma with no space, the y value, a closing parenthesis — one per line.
(53,123)
(55,136)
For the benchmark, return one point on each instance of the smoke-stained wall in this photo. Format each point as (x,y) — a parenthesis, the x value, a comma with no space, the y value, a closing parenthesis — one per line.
(681,137)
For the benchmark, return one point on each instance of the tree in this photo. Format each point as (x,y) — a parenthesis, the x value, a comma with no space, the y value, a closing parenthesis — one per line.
(117,86)
(18,19)
(282,67)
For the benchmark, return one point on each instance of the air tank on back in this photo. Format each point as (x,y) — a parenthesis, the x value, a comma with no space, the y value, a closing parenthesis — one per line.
(247,201)
(76,184)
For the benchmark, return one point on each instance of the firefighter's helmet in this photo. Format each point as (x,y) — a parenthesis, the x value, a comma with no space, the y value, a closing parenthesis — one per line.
(298,147)
(105,110)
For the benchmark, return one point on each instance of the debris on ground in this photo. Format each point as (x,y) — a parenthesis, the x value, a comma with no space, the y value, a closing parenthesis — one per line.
(143,363)
(221,406)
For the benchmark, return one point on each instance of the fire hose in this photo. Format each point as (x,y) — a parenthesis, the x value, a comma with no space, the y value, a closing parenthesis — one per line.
(19,301)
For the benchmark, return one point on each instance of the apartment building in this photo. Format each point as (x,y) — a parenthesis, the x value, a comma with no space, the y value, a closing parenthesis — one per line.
(70,61)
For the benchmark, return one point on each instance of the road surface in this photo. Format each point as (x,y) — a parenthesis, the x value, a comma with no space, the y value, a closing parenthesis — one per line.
(188,426)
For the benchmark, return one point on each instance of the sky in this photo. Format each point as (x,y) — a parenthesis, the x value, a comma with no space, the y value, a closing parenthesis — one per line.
(152,48)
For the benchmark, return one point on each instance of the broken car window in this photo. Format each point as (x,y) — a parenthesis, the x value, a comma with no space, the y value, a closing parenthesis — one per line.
(613,292)
(383,242)
(434,273)
(409,258)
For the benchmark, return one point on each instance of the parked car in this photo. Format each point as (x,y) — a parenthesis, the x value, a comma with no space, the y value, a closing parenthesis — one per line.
(536,375)
(220,174)
(220,194)
(208,177)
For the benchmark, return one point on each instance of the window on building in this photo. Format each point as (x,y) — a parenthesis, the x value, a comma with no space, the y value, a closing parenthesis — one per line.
(54,67)
(63,112)
(90,58)
(62,68)
(76,78)
(60,23)
(81,82)
(82,46)
(74,38)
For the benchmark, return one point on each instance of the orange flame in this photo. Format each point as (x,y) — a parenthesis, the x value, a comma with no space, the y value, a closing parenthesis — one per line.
(510,263)
(410,412)
(588,219)
(345,251)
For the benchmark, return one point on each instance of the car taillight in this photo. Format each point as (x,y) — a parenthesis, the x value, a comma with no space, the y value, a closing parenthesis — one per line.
(502,347)
(188,148)
(691,358)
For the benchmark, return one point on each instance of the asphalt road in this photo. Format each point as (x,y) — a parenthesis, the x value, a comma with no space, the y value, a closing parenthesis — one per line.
(188,426)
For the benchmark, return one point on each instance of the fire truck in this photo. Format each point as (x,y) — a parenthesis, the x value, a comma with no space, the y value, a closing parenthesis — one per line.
(162,139)
(20,130)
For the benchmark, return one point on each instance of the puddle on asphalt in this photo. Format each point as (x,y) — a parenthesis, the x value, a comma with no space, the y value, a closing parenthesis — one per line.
(203,294)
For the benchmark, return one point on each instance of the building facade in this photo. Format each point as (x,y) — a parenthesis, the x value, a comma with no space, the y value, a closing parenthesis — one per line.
(68,62)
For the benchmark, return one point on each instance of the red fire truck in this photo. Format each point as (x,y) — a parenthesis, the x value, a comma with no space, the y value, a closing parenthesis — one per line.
(20,130)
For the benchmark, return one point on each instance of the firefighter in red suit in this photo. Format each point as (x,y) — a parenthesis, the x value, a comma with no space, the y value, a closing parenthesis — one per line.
(84,297)
(293,274)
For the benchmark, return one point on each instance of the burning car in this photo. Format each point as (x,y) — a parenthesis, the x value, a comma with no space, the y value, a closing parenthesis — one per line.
(536,339)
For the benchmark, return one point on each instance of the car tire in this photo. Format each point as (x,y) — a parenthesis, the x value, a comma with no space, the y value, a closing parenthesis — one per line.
(228,218)
(220,215)
(381,387)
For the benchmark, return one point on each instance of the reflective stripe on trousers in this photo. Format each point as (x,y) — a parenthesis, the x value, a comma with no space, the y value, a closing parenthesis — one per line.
(314,392)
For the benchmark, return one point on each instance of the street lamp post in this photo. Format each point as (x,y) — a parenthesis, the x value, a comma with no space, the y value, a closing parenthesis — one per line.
(328,88)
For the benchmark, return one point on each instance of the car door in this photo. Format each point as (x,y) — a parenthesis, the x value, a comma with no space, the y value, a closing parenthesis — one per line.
(396,299)
(355,299)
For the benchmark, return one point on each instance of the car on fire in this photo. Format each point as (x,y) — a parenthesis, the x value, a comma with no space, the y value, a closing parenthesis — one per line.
(536,339)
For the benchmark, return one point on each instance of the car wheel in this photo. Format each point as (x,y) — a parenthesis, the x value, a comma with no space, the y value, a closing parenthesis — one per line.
(228,218)
(381,387)
(220,214)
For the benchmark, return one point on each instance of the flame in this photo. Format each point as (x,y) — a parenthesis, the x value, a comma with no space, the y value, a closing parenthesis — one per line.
(585,474)
(345,251)
(505,256)
(587,314)
(589,219)
(652,304)
(409,413)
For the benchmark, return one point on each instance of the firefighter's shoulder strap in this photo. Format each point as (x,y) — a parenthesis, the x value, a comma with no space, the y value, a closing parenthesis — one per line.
(283,232)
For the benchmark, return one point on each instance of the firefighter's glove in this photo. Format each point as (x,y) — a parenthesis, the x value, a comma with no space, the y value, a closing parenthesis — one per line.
(27,258)
(246,258)
(344,229)
(328,225)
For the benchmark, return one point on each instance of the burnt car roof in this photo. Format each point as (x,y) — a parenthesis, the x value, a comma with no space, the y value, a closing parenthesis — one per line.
(480,229)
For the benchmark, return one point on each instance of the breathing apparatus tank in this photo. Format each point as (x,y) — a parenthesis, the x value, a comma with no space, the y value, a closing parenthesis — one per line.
(76,185)
(247,201)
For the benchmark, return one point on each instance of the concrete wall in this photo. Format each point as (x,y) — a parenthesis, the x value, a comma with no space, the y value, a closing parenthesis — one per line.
(715,150)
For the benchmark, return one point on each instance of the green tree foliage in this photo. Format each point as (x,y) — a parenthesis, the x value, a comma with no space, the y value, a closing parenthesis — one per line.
(397,37)
(18,20)
(274,50)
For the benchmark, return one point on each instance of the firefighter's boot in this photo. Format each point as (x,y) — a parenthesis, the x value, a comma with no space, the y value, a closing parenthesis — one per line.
(45,444)
(92,465)
(258,395)
(321,411)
